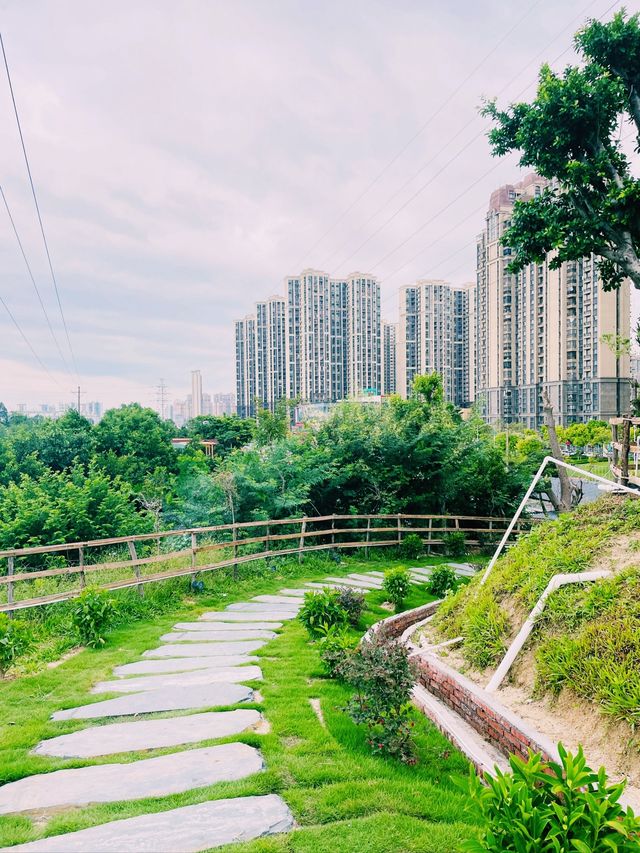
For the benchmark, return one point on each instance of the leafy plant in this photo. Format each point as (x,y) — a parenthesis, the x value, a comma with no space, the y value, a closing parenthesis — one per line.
(92,612)
(411,546)
(336,648)
(322,610)
(545,807)
(396,586)
(382,675)
(454,543)
(441,581)
(14,640)
(352,602)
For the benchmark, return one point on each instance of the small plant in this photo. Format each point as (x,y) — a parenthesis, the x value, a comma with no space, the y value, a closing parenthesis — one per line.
(544,806)
(396,586)
(411,547)
(382,675)
(336,648)
(14,640)
(92,612)
(321,611)
(454,543)
(352,602)
(441,581)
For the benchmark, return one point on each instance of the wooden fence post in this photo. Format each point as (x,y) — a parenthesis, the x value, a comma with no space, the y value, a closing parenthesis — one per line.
(624,456)
(136,569)
(83,579)
(366,548)
(194,551)
(303,528)
(234,533)
(333,527)
(266,541)
(399,531)
(10,571)
(430,534)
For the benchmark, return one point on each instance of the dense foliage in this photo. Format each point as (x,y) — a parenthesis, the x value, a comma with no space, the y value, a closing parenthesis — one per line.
(322,611)
(396,585)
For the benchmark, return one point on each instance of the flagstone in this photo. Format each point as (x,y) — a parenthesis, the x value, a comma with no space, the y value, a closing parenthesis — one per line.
(149,734)
(260,606)
(229,675)
(237,627)
(255,617)
(278,599)
(148,667)
(297,592)
(150,777)
(189,829)
(214,636)
(185,650)
(165,699)
(349,582)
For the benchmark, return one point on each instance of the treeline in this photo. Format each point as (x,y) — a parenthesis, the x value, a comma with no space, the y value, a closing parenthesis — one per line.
(67,480)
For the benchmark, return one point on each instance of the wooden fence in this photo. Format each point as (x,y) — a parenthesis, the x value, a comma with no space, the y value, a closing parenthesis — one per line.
(32,577)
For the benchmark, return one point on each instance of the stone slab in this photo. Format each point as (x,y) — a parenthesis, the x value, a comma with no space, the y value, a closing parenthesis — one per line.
(422,571)
(228,626)
(148,667)
(149,734)
(256,618)
(215,636)
(189,829)
(151,777)
(298,593)
(367,579)
(166,699)
(261,607)
(290,600)
(227,674)
(350,582)
(196,650)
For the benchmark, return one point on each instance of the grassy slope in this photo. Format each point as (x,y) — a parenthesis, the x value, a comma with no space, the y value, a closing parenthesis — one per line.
(343,797)
(588,638)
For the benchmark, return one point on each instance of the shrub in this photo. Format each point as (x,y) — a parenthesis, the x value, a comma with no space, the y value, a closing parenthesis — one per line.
(396,586)
(14,640)
(382,675)
(352,602)
(455,543)
(336,648)
(544,806)
(411,546)
(484,630)
(92,612)
(441,581)
(321,611)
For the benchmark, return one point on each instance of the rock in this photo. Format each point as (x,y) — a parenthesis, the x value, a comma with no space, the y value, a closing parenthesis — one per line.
(151,777)
(188,829)
(166,699)
(228,674)
(216,636)
(148,667)
(148,734)
(185,650)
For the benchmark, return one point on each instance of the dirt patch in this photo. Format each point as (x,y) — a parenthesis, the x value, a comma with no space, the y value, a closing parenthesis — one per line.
(54,664)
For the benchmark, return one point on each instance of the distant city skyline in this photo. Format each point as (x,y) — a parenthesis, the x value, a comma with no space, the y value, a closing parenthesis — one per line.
(174,197)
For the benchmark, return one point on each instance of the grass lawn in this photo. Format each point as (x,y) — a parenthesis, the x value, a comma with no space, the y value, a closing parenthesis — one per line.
(343,797)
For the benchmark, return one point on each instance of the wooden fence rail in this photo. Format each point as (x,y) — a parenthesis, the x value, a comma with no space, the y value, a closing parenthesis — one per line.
(20,578)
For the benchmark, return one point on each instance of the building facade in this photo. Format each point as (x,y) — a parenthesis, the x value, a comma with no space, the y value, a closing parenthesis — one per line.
(545,330)
(271,352)
(196,394)
(246,366)
(389,371)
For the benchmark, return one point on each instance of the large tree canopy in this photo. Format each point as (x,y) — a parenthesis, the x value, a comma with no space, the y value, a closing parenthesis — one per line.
(570,134)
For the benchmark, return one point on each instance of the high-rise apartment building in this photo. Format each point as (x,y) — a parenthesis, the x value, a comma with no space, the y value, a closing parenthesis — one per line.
(223,404)
(363,336)
(545,329)
(246,366)
(271,352)
(433,335)
(196,393)
(389,344)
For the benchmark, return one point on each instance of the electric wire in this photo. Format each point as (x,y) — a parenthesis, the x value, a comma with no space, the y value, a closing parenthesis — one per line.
(28,342)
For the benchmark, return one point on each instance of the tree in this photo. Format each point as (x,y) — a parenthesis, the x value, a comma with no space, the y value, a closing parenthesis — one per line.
(229,431)
(428,388)
(570,135)
(4,415)
(272,426)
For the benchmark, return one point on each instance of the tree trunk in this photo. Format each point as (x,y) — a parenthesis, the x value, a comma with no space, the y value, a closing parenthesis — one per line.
(564,504)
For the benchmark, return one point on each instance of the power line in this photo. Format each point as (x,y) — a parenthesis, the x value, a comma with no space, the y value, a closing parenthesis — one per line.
(31,276)
(35,199)
(423,127)
(28,342)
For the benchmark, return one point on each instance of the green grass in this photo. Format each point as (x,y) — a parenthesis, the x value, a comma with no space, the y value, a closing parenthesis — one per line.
(342,796)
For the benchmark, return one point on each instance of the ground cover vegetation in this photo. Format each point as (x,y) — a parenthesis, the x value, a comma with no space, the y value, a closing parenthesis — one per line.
(586,639)
(344,796)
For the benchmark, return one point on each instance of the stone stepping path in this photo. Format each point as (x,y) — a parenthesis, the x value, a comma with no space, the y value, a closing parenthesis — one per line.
(278,599)
(185,650)
(188,829)
(226,675)
(166,699)
(151,777)
(149,734)
(262,607)
(216,636)
(256,618)
(231,628)
(147,667)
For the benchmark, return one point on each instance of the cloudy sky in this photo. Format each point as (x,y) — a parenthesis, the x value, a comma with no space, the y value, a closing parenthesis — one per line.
(188,154)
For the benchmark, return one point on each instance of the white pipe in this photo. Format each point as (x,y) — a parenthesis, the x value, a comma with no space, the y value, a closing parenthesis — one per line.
(529,492)
(555,583)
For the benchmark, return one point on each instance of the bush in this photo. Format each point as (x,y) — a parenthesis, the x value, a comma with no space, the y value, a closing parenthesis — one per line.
(411,547)
(382,675)
(396,586)
(441,581)
(455,543)
(14,640)
(92,612)
(352,602)
(544,806)
(321,611)
(336,648)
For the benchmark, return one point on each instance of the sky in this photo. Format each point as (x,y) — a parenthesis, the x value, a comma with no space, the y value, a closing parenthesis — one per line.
(189,154)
